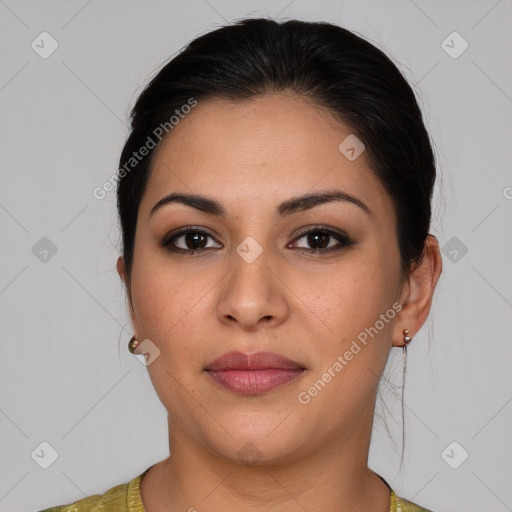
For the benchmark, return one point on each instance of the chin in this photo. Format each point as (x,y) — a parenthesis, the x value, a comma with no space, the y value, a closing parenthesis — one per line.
(250,449)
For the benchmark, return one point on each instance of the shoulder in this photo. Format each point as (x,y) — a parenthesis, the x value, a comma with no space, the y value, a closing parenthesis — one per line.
(404,505)
(123,497)
(398,504)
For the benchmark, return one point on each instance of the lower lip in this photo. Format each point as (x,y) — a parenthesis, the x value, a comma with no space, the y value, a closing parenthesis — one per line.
(253,382)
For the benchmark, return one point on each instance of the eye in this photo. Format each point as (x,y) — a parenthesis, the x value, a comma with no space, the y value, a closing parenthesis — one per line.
(189,240)
(322,240)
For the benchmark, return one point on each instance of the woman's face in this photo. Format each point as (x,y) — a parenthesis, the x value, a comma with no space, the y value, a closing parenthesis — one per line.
(259,283)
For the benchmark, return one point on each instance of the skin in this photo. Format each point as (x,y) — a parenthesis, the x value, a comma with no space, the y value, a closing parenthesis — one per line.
(250,157)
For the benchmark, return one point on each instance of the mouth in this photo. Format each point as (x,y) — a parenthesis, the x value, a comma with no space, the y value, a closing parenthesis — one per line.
(253,374)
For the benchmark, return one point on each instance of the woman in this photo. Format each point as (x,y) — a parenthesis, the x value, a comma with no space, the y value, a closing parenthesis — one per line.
(274,198)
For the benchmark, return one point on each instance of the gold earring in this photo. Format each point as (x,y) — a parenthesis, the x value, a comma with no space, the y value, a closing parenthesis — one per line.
(133,344)
(407,340)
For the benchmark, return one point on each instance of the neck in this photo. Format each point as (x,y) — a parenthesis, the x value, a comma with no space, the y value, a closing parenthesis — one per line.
(335,477)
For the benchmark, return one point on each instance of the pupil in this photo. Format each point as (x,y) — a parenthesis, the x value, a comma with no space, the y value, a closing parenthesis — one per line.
(313,238)
(194,239)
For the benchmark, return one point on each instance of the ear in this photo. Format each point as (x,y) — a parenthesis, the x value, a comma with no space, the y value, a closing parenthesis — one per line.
(417,292)
(121,270)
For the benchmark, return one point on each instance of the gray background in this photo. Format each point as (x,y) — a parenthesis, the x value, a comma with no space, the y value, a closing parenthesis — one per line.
(66,376)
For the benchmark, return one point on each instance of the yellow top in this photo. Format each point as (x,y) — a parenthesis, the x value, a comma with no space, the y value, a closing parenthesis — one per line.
(126,498)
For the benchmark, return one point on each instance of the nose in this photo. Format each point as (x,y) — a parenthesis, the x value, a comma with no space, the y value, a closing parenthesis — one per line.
(252,296)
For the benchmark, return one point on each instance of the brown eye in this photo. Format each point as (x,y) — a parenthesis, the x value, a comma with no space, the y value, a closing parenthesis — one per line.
(318,240)
(189,240)
(322,240)
(194,240)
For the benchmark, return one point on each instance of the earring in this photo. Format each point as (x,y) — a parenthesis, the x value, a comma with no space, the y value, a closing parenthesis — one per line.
(407,340)
(133,344)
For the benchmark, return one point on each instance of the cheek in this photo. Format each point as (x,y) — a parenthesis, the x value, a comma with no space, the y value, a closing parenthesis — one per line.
(345,306)
(163,296)
(352,294)
(173,308)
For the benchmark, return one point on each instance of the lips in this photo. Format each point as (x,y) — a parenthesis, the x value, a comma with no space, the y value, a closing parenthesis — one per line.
(256,361)
(253,374)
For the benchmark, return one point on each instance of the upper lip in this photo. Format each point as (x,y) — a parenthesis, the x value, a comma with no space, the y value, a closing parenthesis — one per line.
(254,361)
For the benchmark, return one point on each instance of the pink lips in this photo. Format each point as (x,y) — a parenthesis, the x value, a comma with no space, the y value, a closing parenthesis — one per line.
(253,374)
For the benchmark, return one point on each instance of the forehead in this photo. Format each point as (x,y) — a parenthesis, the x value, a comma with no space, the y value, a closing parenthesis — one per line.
(265,149)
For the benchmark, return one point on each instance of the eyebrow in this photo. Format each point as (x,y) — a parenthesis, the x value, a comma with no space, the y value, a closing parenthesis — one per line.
(288,207)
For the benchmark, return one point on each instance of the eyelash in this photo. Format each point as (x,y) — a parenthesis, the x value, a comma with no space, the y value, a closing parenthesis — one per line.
(344,240)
